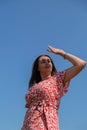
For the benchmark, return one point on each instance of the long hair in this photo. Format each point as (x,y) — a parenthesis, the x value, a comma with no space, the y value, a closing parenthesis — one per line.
(35,76)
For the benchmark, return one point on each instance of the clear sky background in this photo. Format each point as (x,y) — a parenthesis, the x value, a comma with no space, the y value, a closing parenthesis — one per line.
(27,27)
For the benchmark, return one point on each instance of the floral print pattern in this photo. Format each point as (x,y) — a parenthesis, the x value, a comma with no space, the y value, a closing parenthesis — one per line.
(42,103)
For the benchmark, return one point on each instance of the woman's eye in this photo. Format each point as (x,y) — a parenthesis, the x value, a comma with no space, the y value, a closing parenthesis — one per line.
(43,61)
(49,61)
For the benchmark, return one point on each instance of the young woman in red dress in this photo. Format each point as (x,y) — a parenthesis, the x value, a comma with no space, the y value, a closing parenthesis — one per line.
(46,87)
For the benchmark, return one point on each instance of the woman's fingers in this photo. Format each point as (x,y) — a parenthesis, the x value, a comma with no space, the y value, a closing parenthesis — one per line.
(55,50)
(50,48)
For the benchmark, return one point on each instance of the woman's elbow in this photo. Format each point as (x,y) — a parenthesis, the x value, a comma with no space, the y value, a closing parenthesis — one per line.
(83,64)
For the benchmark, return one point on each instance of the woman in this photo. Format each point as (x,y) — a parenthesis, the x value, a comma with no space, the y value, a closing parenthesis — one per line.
(47,86)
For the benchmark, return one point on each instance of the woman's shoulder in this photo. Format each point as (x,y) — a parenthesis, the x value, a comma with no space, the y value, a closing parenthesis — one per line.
(59,73)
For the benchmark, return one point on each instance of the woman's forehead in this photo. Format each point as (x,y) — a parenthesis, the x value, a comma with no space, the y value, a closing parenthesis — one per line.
(44,57)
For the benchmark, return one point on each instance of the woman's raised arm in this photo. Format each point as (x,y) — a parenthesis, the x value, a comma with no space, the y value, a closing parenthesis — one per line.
(78,63)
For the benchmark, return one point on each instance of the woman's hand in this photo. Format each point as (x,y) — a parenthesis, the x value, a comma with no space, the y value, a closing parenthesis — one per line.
(56,51)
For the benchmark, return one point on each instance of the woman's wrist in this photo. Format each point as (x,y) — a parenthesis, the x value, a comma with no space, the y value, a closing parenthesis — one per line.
(64,55)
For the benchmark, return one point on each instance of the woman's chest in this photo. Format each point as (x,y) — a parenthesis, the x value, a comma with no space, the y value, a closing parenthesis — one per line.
(46,89)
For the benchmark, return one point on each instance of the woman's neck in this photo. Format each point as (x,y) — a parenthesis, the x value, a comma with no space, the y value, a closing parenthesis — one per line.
(43,77)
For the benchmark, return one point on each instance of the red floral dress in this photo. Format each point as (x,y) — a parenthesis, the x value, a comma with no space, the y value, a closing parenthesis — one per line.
(42,101)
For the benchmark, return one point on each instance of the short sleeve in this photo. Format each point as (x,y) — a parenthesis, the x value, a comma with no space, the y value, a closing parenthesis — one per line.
(64,87)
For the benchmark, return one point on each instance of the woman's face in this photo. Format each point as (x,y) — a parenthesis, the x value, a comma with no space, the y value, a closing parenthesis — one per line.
(45,65)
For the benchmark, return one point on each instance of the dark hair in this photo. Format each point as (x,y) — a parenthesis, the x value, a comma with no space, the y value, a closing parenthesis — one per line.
(35,76)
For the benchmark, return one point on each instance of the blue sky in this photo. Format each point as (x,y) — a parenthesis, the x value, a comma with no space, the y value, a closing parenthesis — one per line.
(27,27)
